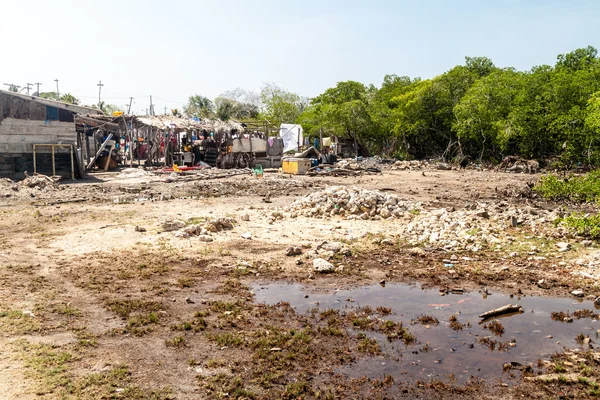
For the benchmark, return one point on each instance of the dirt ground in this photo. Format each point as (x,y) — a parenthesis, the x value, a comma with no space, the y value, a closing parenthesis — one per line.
(98,301)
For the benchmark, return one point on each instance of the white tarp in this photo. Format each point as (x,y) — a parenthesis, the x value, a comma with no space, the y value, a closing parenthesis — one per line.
(291,133)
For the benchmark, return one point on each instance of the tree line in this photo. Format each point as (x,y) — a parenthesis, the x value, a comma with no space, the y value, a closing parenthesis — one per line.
(476,111)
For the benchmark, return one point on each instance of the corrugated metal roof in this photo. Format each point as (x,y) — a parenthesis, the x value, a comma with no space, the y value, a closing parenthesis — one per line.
(53,103)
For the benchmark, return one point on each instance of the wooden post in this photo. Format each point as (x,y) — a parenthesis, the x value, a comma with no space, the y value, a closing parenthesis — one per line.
(34,161)
(321,140)
(72,165)
(137,145)
(53,163)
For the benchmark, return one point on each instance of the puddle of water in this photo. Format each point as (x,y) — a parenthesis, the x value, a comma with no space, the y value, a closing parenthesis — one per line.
(451,352)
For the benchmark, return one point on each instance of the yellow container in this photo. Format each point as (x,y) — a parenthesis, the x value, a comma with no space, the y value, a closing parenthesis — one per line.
(296,166)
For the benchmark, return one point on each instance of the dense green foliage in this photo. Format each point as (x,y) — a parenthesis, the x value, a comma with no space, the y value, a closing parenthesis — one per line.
(475,110)
(584,188)
(584,225)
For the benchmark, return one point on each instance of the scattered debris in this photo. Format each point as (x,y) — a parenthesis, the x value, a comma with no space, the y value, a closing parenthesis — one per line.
(508,309)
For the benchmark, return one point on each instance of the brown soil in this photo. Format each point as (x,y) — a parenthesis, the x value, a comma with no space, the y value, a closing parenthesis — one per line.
(126,314)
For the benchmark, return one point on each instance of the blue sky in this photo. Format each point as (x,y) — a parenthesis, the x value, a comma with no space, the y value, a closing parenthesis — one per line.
(172,49)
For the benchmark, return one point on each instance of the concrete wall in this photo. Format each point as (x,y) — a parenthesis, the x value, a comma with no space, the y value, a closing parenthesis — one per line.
(17,137)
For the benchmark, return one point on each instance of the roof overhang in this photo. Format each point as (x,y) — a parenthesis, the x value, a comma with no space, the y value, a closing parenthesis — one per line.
(53,103)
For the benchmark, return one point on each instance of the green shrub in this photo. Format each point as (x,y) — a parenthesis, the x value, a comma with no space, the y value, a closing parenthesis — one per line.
(587,226)
(584,188)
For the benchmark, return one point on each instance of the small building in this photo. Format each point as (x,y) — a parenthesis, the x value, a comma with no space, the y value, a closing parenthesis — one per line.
(28,122)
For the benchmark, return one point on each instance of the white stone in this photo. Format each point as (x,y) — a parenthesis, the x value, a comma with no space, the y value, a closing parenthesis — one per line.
(322,266)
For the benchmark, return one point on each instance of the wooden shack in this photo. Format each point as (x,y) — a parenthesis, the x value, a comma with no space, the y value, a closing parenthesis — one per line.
(28,122)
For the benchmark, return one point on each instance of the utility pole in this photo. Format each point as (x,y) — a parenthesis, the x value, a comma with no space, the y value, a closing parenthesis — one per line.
(38,87)
(99,92)
(165,110)
(129,109)
(57,92)
(151,106)
(12,87)
(29,86)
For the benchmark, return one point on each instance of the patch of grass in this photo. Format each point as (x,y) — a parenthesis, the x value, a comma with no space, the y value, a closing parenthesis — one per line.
(138,324)
(86,339)
(559,368)
(495,327)
(48,364)
(195,221)
(580,338)
(560,316)
(66,309)
(297,390)
(586,371)
(583,225)
(331,331)
(16,322)
(233,286)
(384,310)
(221,306)
(212,363)
(584,188)
(408,338)
(369,346)
(228,339)
(427,320)
(196,325)
(177,342)
(362,322)
(585,313)
(454,324)
(124,308)
(185,282)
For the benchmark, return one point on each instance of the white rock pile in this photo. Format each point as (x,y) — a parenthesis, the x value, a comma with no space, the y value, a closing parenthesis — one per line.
(351,203)
(475,227)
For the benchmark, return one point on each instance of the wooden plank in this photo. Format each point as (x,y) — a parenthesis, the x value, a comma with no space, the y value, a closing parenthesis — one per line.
(97,123)
(91,164)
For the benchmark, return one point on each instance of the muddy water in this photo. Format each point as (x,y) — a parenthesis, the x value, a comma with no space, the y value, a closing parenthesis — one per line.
(448,352)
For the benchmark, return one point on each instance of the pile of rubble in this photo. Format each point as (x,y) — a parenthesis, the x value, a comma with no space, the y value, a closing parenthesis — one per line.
(413,165)
(202,231)
(518,165)
(40,182)
(367,164)
(476,227)
(31,186)
(351,203)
